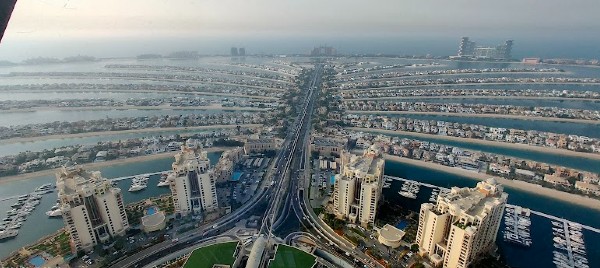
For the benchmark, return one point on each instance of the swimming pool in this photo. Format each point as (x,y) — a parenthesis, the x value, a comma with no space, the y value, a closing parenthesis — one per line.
(402,225)
(151,210)
(37,261)
(236,176)
(332,180)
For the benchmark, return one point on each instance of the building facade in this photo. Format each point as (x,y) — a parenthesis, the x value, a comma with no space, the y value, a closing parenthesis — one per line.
(469,49)
(192,183)
(259,145)
(92,209)
(358,186)
(462,225)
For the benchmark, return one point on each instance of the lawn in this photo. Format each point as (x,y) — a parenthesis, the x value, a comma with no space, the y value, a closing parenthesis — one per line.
(208,256)
(289,257)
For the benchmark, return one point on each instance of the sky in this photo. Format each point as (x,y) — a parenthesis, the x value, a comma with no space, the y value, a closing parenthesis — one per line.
(39,26)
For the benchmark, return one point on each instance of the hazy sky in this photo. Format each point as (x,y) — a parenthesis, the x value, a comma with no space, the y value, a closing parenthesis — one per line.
(36,20)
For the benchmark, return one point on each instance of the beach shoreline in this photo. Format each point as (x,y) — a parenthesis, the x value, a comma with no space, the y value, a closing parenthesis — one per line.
(95,165)
(472,97)
(521,185)
(132,107)
(540,149)
(116,132)
(470,84)
(503,116)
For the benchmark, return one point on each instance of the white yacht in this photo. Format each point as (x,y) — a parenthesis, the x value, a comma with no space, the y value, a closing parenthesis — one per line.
(138,185)
(54,211)
(8,234)
(163,180)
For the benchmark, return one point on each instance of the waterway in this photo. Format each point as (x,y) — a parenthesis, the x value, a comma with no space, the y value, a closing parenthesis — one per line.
(82,95)
(582,129)
(39,225)
(566,104)
(39,117)
(556,159)
(541,231)
(40,145)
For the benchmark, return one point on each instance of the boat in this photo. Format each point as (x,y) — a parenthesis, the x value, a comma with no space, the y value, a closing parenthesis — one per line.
(8,234)
(385,185)
(163,180)
(138,185)
(54,211)
(408,194)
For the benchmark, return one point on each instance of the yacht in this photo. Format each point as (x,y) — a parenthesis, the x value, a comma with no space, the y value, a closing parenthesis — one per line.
(408,194)
(138,185)
(8,234)
(163,180)
(54,211)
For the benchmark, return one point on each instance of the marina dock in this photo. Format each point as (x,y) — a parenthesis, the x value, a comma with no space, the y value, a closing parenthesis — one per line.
(596,230)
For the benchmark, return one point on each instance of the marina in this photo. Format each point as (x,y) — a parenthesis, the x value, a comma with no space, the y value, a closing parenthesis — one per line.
(517,227)
(410,190)
(570,247)
(25,205)
(139,183)
(551,217)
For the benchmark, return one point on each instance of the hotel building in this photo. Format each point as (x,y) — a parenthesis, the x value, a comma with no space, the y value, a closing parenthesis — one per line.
(192,182)
(358,188)
(462,225)
(92,209)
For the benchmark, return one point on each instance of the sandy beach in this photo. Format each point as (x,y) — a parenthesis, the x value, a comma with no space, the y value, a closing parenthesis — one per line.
(540,149)
(131,107)
(471,84)
(97,165)
(150,91)
(528,187)
(503,116)
(471,97)
(450,74)
(104,133)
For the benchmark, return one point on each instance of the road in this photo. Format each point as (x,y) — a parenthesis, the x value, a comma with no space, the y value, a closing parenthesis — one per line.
(284,193)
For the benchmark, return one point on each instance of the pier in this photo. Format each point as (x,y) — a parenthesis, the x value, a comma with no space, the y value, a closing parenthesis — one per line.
(565,221)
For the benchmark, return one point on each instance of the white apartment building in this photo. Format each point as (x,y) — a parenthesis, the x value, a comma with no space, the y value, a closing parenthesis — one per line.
(192,182)
(462,225)
(92,209)
(358,188)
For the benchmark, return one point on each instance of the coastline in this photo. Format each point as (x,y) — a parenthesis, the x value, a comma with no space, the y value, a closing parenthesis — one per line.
(116,132)
(471,84)
(95,165)
(540,149)
(472,97)
(131,107)
(503,116)
(524,186)
(148,91)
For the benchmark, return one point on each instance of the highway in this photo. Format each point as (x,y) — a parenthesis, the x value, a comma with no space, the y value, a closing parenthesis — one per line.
(284,194)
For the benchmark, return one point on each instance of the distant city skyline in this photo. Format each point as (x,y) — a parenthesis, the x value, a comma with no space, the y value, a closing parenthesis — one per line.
(111,28)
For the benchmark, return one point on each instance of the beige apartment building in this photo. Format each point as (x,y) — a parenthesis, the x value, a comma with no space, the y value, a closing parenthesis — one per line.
(358,188)
(462,225)
(92,209)
(192,182)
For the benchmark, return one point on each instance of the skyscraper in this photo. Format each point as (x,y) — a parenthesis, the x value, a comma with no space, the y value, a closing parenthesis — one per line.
(462,225)
(242,51)
(234,52)
(358,188)
(466,47)
(192,183)
(92,209)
